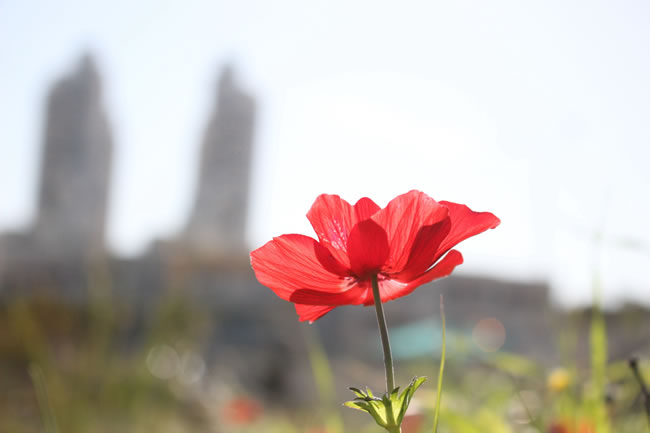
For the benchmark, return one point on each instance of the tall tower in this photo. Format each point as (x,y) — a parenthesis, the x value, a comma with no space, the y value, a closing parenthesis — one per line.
(217,224)
(75,168)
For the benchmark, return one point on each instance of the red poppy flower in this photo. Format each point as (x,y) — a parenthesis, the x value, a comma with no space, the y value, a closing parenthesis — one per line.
(403,244)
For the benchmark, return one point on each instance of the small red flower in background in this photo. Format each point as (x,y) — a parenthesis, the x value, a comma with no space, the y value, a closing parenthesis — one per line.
(403,244)
(568,426)
(412,423)
(242,411)
(558,428)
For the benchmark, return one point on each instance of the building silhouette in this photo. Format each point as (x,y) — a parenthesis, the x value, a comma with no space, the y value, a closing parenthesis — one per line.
(75,168)
(217,224)
(67,240)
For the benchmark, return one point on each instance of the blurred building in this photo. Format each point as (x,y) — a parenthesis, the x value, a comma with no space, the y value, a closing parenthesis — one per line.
(70,229)
(217,224)
(75,168)
(209,257)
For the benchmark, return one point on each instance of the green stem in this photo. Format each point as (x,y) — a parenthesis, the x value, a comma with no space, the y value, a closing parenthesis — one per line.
(383,331)
(436,415)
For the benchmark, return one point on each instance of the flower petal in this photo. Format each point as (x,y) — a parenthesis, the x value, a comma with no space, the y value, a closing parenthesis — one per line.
(465,223)
(402,218)
(425,250)
(367,248)
(392,289)
(365,208)
(312,313)
(332,219)
(353,296)
(292,262)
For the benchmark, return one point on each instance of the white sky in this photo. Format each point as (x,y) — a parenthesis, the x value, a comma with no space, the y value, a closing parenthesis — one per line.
(537,111)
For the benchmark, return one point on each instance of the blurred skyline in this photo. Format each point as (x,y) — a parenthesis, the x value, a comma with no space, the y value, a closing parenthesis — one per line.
(536,113)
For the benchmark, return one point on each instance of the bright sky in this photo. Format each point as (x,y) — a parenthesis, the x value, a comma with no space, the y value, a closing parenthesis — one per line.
(537,111)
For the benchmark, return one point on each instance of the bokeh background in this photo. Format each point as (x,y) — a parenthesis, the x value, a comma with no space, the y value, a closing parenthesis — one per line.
(147,146)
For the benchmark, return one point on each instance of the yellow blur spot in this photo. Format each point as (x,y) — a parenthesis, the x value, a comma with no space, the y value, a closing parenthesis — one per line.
(558,380)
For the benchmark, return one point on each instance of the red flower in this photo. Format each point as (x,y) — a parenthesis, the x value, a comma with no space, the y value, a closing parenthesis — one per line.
(242,410)
(571,426)
(403,244)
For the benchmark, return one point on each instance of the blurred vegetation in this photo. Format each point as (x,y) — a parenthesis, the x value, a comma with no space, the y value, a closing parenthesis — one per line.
(71,369)
(103,368)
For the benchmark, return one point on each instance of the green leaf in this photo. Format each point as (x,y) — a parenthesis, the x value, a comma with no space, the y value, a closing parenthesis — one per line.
(389,410)
(357,391)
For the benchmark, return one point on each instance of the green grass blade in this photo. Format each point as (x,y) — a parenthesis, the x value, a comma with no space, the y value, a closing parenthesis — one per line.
(43,399)
(436,414)
(324,379)
(598,343)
